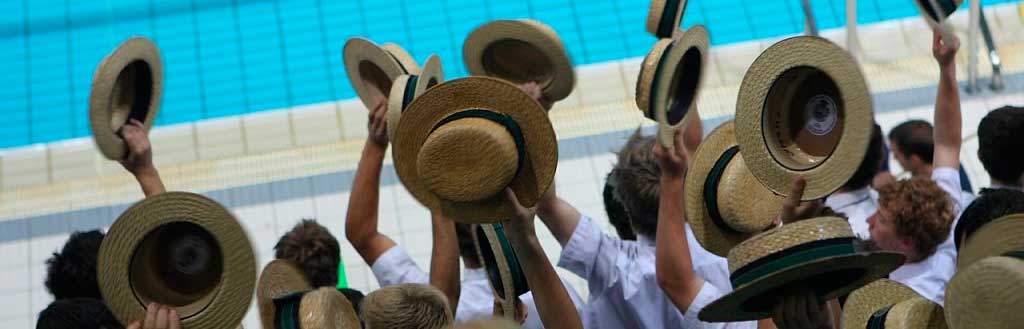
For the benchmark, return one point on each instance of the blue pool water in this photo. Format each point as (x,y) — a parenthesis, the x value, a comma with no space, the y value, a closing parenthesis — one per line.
(231,57)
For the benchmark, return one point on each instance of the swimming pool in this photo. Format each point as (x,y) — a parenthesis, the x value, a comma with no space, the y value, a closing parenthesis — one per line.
(231,57)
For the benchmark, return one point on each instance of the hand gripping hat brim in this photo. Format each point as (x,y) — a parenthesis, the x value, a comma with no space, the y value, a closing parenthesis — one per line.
(182,250)
(521,51)
(128,84)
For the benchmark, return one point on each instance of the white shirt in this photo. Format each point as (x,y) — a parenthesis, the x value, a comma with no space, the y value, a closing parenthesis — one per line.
(930,276)
(624,291)
(476,300)
(857,206)
(708,294)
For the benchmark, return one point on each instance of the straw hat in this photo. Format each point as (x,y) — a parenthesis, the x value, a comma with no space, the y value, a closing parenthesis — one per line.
(182,250)
(408,87)
(725,204)
(804,109)
(670,78)
(889,302)
(664,17)
(521,51)
(499,259)
(927,10)
(128,84)
(372,69)
(818,253)
(462,142)
(286,301)
(278,278)
(989,277)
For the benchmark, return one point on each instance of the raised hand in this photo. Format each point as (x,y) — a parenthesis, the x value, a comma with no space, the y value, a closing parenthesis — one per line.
(378,123)
(158,317)
(535,91)
(673,162)
(944,47)
(140,152)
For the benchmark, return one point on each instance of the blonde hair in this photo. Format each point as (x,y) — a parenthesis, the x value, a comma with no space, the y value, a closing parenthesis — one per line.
(495,323)
(406,306)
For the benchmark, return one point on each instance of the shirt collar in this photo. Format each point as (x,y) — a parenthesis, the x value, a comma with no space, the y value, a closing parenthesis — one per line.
(842,200)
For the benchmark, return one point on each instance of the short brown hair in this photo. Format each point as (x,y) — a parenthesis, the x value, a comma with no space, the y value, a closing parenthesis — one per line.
(312,248)
(921,211)
(406,306)
(638,176)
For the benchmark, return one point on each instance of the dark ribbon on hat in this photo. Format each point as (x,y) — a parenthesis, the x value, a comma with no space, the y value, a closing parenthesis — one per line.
(947,7)
(410,92)
(657,74)
(1019,254)
(877,320)
(404,70)
(505,120)
(793,256)
(711,189)
(287,311)
(668,18)
(519,283)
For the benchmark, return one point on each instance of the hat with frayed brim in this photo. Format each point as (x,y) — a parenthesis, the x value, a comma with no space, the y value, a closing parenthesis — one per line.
(804,109)
(521,51)
(670,78)
(287,301)
(664,16)
(182,250)
(372,68)
(725,204)
(407,87)
(989,278)
(128,84)
(878,298)
(462,142)
(928,10)
(817,253)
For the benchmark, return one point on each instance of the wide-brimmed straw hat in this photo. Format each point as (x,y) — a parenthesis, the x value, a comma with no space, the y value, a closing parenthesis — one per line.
(373,68)
(945,9)
(500,261)
(670,78)
(987,286)
(664,16)
(725,204)
(182,250)
(817,253)
(287,301)
(409,86)
(804,109)
(464,141)
(890,304)
(521,51)
(128,84)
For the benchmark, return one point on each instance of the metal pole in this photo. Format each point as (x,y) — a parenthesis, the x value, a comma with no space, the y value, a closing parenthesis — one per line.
(811,26)
(852,44)
(972,46)
(996,83)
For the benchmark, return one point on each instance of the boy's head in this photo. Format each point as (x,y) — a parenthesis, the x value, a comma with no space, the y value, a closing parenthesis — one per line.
(313,249)
(990,205)
(913,145)
(638,176)
(71,273)
(1000,145)
(914,216)
(406,306)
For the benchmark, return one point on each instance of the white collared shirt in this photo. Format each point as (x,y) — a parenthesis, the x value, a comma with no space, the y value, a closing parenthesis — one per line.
(624,291)
(857,206)
(708,294)
(476,299)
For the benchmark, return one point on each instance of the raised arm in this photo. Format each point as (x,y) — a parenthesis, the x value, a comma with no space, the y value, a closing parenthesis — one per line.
(673,266)
(361,220)
(559,216)
(947,104)
(553,303)
(444,260)
(139,161)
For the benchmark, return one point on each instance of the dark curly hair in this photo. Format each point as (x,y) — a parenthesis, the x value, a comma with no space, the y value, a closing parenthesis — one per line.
(616,212)
(71,273)
(1000,142)
(870,165)
(638,176)
(921,211)
(312,248)
(990,205)
(914,137)
(77,313)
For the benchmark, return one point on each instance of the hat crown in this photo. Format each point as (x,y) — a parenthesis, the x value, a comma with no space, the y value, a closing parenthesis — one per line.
(468,159)
(980,295)
(737,188)
(786,237)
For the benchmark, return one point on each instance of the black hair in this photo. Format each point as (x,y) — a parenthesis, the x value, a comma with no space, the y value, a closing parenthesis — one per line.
(990,205)
(914,137)
(77,313)
(71,273)
(1001,142)
(871,163)
(616,212)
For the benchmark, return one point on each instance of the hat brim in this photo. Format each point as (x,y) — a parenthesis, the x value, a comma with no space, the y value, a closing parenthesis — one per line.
(924,8)
(985,294)
(226,304)
(828,277)
(131,53)
(534,33)
(402,56)
(864,302)
(327,307)
(277,279)
(915,313)
(541,147)
(996,238)
(678,65)
(499,259)
(361,57)
(403,93)
(752,122)
(664,16)
(713,238)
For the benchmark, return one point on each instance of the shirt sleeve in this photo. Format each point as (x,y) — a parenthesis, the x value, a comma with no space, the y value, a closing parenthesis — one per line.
(396,267)
(709,293)
(949,180)
(591,254)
